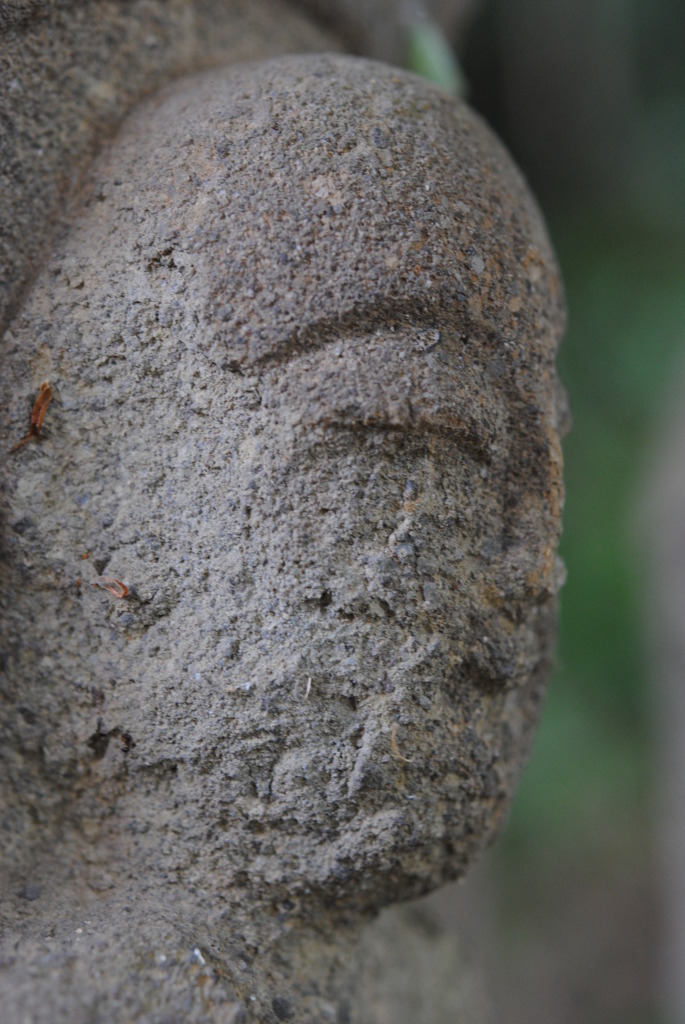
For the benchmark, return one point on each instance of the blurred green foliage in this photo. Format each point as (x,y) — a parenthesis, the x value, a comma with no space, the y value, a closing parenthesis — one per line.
(626,296)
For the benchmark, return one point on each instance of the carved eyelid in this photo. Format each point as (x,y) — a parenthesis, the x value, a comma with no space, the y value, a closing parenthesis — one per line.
(363,377)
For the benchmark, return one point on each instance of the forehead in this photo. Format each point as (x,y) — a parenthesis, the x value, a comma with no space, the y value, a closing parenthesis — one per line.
(300,200)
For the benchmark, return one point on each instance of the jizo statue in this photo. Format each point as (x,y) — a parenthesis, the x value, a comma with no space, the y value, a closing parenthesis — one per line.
(279,570)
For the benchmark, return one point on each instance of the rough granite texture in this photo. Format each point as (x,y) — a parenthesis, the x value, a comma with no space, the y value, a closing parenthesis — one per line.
(69,72)
(301,336)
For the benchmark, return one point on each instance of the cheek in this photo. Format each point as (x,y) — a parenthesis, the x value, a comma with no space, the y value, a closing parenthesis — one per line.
(377,522)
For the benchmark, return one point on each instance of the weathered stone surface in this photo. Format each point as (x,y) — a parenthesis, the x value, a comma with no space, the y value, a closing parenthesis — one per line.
(301,338)
(123,959)
(70,71)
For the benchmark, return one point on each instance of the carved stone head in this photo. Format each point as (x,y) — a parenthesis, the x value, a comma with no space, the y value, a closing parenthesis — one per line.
(301,338)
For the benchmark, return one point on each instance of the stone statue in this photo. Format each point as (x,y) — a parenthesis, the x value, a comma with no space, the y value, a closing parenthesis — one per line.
(278,560)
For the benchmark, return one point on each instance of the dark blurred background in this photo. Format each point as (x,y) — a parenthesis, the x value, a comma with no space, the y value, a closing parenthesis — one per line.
(568,913)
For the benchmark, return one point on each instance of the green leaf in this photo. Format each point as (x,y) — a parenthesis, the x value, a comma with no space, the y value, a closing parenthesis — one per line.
(430,54)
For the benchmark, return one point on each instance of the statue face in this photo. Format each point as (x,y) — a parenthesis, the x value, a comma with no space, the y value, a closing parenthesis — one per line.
(302,349)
